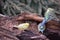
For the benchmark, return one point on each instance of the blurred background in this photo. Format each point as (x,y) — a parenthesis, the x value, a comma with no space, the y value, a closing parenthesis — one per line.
(15,7)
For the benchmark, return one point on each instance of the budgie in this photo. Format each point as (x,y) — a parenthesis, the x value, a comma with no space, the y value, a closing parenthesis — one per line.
(41,26)
(22,26)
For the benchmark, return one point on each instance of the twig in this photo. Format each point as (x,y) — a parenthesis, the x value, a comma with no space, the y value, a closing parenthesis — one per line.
(14,5)
(9,36)
(8,10)
(13,12)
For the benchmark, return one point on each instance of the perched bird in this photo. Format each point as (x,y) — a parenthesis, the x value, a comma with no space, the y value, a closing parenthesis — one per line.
(41,26)
(22,26)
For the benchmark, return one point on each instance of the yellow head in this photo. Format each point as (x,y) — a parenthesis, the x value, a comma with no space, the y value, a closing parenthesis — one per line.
(22,26)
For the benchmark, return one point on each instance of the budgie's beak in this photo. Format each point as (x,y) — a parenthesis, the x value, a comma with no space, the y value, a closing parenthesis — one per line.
(22,26)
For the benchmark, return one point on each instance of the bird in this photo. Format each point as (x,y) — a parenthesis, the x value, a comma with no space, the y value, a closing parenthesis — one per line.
(22,26)
(41,26)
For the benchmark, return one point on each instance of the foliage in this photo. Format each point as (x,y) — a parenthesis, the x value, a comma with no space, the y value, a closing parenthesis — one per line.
(14,7)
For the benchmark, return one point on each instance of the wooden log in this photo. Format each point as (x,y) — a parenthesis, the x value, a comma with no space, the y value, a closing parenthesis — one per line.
(52,26)
(27,16)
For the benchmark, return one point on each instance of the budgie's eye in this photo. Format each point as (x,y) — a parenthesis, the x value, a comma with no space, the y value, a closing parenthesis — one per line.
(42,27)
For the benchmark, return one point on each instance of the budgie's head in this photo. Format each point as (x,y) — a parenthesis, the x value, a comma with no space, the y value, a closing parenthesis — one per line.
(41,27)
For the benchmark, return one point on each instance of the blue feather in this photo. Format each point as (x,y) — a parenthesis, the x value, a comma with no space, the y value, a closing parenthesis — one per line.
(41,26)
